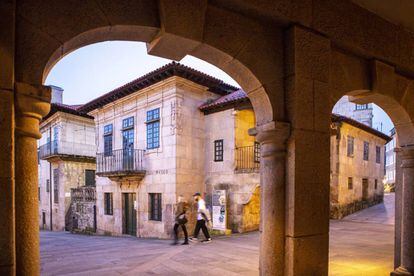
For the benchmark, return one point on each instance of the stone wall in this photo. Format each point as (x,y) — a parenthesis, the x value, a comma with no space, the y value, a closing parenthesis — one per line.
(83,205)
(346,200)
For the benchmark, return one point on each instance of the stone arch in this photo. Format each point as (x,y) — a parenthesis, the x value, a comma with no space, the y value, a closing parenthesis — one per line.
(236,44)
(375,82)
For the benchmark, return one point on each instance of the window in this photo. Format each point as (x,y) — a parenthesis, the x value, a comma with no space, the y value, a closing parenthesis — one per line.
(376,184)
(153,128)
(218,150)
(256,152)
(350,146)
(38,191)
(108,204)
(361,106)
(108,132)
(128,123)
(90,178)
(47,186)
(378,154)
(366,151)
(350,183)
(155,206)
(56,186)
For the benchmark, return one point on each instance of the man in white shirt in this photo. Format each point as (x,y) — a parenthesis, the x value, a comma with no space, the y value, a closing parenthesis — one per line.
(203,217)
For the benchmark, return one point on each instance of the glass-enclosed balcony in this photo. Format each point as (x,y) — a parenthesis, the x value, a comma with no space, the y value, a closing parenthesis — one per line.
(69,150)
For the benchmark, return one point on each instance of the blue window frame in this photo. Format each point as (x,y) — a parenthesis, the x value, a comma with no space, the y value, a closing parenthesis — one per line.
(128,123)
(108,131)
(153,128)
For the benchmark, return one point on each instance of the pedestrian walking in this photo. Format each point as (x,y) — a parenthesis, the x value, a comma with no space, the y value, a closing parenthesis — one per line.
(181,219)
(203,218)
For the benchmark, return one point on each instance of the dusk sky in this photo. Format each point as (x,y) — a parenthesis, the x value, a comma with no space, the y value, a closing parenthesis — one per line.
(96,69)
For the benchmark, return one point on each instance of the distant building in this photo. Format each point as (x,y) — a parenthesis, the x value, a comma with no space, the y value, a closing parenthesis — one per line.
(362,113)
(357,166)
(390,159)
(67,155)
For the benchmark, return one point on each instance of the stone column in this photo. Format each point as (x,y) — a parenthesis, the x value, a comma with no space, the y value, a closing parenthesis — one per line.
(31,104)
(272,138)
(407,217)
(398,207)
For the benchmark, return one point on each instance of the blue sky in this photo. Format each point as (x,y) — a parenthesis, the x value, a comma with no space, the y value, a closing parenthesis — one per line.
(98,68)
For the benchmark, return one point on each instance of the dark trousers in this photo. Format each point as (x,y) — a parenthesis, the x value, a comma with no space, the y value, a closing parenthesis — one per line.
(176,225)
(201,224)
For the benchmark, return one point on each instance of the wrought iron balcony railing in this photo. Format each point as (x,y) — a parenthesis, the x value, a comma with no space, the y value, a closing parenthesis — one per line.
(124,162)
(69,149)
(247,158)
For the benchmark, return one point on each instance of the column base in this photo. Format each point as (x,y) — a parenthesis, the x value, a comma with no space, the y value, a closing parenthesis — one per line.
(401,271)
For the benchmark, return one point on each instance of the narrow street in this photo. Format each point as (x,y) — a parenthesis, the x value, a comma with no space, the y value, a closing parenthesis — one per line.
(361,244)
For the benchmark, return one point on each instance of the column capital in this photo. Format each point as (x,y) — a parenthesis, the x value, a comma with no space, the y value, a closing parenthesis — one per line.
(407,156)
(273,132)
(32,103)
(272,138)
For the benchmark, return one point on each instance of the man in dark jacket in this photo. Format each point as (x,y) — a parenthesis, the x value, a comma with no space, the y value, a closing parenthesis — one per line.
(181,219)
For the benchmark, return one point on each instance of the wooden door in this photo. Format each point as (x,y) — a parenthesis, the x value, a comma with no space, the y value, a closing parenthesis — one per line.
(129,214)
(365,186)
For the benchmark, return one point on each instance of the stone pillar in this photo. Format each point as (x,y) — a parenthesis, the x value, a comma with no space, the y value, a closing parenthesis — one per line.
(407,216)
(31,104)
(398,207)
(7,46)
(272,138)
(309,110)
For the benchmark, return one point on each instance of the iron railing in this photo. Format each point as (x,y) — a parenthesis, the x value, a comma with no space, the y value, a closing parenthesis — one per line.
(83,194)
(247,158)
(66,148)
(120,161)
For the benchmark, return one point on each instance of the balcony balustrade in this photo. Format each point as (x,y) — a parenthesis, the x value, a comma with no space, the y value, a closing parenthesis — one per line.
(121,163)
(64,149)
(247,158)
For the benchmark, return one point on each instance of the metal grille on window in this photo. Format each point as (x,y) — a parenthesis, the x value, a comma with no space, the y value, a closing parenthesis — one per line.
(155,206)
(153,128)
(218,150)
(108,204)
(256,152)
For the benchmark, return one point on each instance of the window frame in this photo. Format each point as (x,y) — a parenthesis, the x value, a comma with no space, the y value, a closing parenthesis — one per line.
(108,204)
(155,206)
(378,154)
(256,152)
(86,178)
(350,146)
(350,183)
(153,122)
(219,150)
(108,136)
(365,155)
(56,186)
(128,123)
(361,106)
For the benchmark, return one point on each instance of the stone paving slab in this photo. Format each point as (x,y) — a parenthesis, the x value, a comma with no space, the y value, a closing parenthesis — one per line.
(360,244)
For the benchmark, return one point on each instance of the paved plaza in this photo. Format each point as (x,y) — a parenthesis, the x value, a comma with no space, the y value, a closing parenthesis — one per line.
(361,244)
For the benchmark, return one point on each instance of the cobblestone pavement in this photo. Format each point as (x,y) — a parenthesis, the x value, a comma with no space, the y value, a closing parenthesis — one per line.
(361,244)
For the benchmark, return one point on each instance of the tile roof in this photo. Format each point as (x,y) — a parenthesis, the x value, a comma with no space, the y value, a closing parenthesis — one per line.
(237,96)
(340,118)
(65,108)
(172,69)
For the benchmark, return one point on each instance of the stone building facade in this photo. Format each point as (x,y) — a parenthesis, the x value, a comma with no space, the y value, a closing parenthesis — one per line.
(66,160)
(357,166)
(391,159)
(161,141)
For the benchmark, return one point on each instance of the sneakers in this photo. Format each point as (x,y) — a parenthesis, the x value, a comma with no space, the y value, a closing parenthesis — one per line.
(193,239)
(206,240)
